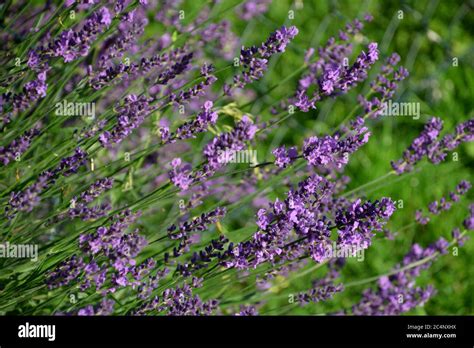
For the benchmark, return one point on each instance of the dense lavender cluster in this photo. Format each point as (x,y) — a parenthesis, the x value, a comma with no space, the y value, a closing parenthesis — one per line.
(203,120)
(445,203)
(179,177)
(397,293)
(427,144)
(108,258)
(179,301)
(302,212)
(327,151)
(330,73)
(72,44)
(17,147)
(254,60)
(131,115)
(79,205)
(28,198)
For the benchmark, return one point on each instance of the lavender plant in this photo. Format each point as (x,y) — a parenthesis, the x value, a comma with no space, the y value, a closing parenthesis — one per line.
(180,193)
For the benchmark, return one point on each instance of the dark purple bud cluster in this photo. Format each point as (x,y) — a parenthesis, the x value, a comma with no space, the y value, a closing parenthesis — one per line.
(179,301)
(255,59)
(130,116)
(427,144)
(70,45)
(105,307)
(189,129)
(196,90)
(318,294)
(247,311)
(17,147)
(27,199)
(231,141)
(79,206)
(108,260)
(183,231)
(397,293)
(214,251)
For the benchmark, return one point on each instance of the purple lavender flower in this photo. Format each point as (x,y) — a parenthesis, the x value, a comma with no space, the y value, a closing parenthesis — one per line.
(423,145)
(131,115)
(79,206)
(115,248)
(284,157)
(469,222)
(234,141)
(178,301)
(247,311)
(331,73)
(318,294)
(335,150)
(196,90)
(220,38)
(428,145)
(73,44)
(252,8)
(254,59)
(397,293)
(203,120)
(105,307)
(300,212)
(27,199)
(180,175)
(32,91)
(17,147)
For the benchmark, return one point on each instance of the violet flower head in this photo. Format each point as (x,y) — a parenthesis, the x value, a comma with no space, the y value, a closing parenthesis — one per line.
(285,157)
(422,146)
(469,221)
(180,174)
(130,116)
(70,45)
(254,60)
(108,254)
(79,208)
(397,293)
(17,147)
(427,144)
(203,120)
(231,141)
(253,8)
(105,307)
